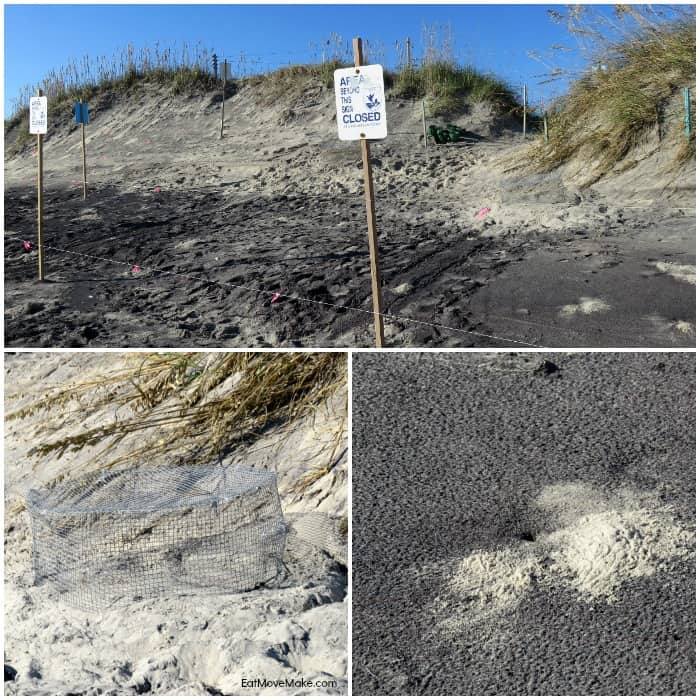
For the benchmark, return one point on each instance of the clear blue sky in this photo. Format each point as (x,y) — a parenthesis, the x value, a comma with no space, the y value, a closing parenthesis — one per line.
(495,37)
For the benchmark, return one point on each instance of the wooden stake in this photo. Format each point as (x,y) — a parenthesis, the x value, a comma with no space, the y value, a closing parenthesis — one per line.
(409,62)
(84,161)
(524,109)
(371,221)
(40,197)
(688,117)
(425,131)
(223,97)
(546,129)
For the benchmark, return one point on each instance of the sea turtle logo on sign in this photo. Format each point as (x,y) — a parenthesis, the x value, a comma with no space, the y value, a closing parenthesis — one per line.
(372,102)
(360,106)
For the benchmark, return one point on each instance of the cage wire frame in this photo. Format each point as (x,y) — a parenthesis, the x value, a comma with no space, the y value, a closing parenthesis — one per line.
(115,537)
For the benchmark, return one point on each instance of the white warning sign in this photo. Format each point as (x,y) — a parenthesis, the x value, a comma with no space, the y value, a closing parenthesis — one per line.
(38,115)
(359,99)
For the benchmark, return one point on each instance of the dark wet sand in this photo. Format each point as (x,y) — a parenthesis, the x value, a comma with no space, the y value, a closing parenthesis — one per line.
(215,248)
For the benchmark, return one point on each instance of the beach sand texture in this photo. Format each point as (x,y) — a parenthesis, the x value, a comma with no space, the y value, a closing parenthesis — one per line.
(194,645)
(524,524)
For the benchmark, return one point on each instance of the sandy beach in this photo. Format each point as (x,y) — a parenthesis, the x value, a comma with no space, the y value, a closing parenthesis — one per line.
(218,227)
(522,528)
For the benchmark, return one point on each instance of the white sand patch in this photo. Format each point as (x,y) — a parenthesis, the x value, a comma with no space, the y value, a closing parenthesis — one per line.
(599,552)
(494,580)
(89,214)
(684,273)
(483,585)
(684,327)
(599,541)
(403,288)
(586,305)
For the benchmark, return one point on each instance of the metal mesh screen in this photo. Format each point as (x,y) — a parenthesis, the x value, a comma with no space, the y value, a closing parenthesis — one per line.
(110,538)
(321,531)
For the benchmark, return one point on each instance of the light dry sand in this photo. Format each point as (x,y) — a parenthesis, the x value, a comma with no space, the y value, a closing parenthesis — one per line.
(594,543)
(196,645)
(586,305)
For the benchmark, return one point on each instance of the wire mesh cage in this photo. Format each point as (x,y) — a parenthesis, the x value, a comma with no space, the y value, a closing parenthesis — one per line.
(114,537)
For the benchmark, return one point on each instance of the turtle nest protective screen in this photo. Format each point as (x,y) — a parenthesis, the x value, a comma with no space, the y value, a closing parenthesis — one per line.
(113,537)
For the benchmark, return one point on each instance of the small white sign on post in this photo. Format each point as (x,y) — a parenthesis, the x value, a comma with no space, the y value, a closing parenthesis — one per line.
(360,106)
(38,115)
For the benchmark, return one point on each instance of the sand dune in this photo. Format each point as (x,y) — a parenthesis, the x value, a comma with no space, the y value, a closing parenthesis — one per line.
(217,228)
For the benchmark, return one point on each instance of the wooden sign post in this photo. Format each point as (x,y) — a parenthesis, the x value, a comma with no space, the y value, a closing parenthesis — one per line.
(546,129)
(361,115)
(223,96)
(40,199)
(84,163)
(688,116)
(81,117)
(38,124)
(371,221)
(524,109)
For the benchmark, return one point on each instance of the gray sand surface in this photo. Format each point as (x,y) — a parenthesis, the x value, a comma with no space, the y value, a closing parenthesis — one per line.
(520,531)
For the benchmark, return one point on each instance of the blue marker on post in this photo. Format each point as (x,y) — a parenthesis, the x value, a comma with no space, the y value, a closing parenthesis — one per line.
(80,110)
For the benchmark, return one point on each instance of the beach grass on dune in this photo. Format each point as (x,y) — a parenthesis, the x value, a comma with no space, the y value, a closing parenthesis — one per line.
(291,78)
(613,108)
(188,406)
(186,70)
(449,88)
(632,86)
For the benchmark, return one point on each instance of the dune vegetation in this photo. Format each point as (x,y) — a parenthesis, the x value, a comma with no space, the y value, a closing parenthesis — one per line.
(450,88)
(180,69)
(189,405)
(631,90)
(638,63)
(447,86)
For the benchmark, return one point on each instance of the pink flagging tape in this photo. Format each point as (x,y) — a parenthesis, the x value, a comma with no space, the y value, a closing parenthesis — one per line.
(27,245)
(483,212)
(275,297)
(291,297)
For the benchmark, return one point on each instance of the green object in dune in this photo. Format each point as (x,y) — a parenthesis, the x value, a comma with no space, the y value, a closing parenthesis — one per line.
(448,134)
